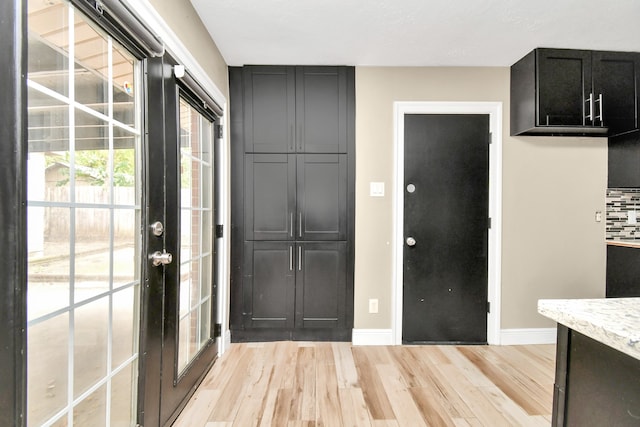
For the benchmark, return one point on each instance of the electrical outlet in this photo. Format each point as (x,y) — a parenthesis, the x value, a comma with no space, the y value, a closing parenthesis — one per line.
(373,305)
(598,216)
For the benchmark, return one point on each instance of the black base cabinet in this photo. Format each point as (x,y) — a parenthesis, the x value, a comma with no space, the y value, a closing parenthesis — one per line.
(292,202)
(294,290)
(595,385)
(575,92)
(623,272)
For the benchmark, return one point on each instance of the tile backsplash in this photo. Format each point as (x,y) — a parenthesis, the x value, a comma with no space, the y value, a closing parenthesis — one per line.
(621,201)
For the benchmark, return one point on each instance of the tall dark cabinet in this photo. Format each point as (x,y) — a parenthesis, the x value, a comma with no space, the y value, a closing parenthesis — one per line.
(293,184)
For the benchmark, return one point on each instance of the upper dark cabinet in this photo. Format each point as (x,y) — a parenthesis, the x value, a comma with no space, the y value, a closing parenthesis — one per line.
(624,161)
(574,92)
(269,109)
(295,109)
(321,107)
(616,80)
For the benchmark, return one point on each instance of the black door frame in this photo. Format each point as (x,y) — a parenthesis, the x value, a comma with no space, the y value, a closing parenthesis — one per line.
(13,212)
(494,110)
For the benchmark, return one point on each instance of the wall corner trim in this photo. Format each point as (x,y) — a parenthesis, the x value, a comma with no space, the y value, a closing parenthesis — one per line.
(225,342)
(372,337)
(528,336)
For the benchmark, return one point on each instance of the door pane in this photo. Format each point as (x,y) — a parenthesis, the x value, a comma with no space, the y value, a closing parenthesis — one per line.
(196,243)
(47,387)
(48,271)
(48,45)
(92,411)
(83,222)
(90,334)
(123,397)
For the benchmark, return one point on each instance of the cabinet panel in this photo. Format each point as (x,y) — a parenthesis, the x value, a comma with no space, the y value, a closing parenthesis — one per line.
(615,78)
(269,290)
(623,271)
(322,197)
(270,181)
(564,81)
(320,284)
(321,105)
(269,109)
(624,161)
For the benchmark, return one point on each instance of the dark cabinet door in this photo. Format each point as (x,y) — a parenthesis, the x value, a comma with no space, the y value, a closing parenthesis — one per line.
(320,284)
(321,109)
(624,161)
(322,197)
(623,271)
(269,109)
(269,284)
(615,89)
(270,205)
(564,84)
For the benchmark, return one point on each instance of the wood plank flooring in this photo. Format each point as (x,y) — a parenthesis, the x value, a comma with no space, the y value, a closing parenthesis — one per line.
(336,384)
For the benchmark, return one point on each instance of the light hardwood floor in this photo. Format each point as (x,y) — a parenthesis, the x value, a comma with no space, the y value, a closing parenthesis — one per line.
(336,384)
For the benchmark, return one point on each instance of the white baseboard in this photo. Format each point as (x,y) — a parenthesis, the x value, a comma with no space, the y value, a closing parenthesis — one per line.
(225,342)
(528,336)
(372,337)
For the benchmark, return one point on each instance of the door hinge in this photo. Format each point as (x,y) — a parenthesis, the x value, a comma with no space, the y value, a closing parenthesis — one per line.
(217,330)
(219,131)
(96,5)
(490,138)
(489,223)
(488,307)
(219,231)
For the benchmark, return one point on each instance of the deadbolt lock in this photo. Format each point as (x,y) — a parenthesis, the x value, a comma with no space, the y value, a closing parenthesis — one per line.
(157,228)
(161,258)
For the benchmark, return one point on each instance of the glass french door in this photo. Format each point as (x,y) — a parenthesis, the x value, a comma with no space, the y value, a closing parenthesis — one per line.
(178,335)
(121,212)
(83,223)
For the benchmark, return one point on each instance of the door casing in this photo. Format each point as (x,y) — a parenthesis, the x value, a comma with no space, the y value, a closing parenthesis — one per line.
(494,110)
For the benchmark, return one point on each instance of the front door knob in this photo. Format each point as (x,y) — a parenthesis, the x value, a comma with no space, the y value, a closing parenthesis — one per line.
(411,241)
(161,258)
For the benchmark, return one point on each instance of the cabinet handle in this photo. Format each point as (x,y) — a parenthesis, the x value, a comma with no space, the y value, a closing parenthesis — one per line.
(590,102)
(299,258)
(291,224)
(290,258)
(293,139)
(601,116)
(300,224)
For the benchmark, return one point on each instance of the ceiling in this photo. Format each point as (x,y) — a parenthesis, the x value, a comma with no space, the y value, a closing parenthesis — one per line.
(413,32)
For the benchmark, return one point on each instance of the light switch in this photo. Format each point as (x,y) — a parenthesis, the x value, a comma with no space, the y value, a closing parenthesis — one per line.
(376,189)
(632,217)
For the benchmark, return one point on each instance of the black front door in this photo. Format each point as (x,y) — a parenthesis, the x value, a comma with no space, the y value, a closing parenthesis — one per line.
(178,339)
(446,199)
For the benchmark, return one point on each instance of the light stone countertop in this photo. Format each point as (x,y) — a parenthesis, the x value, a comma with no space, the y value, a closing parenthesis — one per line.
(625,243)
(611,321)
